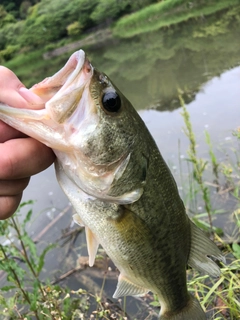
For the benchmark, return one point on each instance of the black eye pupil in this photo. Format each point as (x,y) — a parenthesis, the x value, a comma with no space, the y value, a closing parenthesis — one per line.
(111,101)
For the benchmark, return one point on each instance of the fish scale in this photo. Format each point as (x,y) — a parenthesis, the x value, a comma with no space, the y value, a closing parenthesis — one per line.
(110,168)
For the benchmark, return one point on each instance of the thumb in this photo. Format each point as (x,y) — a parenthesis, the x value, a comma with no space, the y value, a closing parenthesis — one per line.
(14,94)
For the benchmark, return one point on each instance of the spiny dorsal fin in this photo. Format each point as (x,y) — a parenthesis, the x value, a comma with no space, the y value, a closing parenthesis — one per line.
(201,248)
(92,245)
(127,288)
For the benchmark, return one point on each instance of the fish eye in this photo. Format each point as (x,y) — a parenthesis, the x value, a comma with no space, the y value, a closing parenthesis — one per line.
(111,101)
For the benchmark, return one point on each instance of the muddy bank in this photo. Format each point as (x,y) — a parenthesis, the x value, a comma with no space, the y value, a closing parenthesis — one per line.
(94,38)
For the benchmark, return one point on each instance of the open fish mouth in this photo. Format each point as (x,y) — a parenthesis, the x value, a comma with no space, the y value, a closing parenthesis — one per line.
(80,132)
(63,91)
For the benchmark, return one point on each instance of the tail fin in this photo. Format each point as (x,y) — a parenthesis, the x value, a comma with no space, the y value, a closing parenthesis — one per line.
(201,248)
(192,311)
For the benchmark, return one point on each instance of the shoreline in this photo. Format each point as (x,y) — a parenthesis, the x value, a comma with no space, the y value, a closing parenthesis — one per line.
(94,38)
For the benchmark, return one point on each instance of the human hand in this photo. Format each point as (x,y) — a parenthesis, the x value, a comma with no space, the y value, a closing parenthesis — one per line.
(20,156)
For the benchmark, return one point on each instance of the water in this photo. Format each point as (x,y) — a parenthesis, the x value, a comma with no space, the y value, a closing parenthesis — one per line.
(201,60)
(198,58)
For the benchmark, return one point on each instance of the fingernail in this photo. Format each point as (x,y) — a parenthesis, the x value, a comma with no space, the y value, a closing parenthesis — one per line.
(30,96)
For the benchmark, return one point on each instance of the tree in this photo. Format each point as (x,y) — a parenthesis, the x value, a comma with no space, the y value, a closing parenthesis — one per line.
(74,29)
(5,17)
(23,10)
(108,9)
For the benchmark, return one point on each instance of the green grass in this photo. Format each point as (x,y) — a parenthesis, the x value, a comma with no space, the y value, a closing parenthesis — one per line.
(31,67)
(167,13)
(27,295)
(220,298)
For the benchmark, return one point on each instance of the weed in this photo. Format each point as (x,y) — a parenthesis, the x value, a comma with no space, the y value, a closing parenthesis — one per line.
(27,296)
(199,164)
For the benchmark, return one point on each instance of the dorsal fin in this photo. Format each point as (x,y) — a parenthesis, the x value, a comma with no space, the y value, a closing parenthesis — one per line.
(201,248)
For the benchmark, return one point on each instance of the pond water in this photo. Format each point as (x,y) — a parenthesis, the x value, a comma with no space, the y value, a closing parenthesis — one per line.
(200,59)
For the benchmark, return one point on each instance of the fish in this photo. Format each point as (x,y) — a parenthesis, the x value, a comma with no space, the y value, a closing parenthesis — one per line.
(121,189)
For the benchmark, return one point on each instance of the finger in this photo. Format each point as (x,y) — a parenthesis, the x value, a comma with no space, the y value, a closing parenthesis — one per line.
(14,94)
(7,133)
(10,205)
(21,98)
(13,187)
(23,157)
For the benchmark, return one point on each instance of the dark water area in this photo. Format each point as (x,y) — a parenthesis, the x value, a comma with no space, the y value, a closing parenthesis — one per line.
(201,60)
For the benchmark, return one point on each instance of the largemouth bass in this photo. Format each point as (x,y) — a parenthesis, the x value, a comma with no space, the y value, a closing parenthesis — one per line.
(119,185)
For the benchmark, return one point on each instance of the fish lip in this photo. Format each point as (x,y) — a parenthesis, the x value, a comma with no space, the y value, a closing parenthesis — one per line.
(63,91)
(57,81)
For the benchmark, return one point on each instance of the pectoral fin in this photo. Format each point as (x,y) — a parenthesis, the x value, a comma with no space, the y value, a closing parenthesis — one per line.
(92,245)
(126,288)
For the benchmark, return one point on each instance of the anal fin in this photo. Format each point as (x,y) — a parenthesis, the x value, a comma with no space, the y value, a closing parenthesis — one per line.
(127,288)
(201,248)
(92,245)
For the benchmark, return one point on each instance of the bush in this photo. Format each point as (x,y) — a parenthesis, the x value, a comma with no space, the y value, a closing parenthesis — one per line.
(74,29)
(8,53)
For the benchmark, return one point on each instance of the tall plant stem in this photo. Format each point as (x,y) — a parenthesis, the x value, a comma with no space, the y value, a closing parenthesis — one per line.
(26,257)
(198,164)
(18,283)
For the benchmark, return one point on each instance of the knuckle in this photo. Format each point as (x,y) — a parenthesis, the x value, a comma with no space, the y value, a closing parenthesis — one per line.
(13,187)
(21,184)
(6,167)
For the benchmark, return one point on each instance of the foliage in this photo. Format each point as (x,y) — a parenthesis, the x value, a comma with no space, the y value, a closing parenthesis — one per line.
(223,293)
(166,13)
(74,29)
(23,10)
(219,298)
(12,32)
(47,21)
(8,53)
(109,9)
(15,7)
(199,165)
(5,17)
(25,295)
